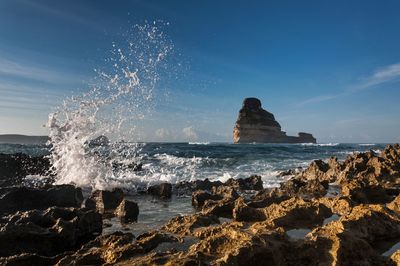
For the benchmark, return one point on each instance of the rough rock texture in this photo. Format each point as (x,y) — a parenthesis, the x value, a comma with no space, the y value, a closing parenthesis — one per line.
(23,198)
(105,202)
(48,232)
(255,124)
(127,211)
(300,223)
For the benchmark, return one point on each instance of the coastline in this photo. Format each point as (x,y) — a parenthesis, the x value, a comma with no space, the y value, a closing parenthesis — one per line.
(336,212)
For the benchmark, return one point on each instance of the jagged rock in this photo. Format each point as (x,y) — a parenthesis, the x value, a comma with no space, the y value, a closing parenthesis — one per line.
(163,190)
(48,232)
(395,204)
(255,124)
(127,211)
(251,183)
(350,240)
(199,197)
(106,249)
(149,241)
(185,225)
(244,213)
(105,202)
(361,192)
(24,198)
(395,258)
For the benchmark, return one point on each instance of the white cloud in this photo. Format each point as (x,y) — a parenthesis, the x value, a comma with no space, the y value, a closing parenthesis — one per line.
(190,133)
(382,75)
(162,133)
(26,70)
(390,73)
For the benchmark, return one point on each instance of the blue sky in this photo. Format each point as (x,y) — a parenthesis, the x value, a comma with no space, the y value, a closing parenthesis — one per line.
(329,68)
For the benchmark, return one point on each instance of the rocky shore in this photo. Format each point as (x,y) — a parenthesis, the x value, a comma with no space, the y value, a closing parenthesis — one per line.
(331,213)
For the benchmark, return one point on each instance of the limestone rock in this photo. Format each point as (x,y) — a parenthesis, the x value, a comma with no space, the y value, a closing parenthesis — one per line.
(255,124)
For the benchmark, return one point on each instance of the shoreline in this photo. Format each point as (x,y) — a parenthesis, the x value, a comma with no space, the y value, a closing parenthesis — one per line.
(336,212)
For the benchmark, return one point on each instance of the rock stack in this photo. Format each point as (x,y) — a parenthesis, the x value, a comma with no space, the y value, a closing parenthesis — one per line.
(255,124)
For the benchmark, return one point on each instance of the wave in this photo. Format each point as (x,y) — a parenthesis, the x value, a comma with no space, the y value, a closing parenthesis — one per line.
(367,144)
(320,144)
(199,143)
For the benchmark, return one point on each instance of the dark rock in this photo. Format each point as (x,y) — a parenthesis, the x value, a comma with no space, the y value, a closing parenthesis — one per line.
(163,190)
(127,211)
(251,183)
(24,198)
(105,202)
(254,124)
(48,232)
(200,196)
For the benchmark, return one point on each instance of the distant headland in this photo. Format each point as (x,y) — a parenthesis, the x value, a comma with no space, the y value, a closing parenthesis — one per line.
(254,124)
(23,139)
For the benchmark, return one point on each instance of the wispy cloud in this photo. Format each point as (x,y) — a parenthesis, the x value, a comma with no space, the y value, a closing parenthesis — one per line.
(27,70)
(383,75)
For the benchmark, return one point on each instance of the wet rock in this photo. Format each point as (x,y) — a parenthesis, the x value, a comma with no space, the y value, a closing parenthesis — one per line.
(24,198)
(199,197)
(48,232)
(163,190)
(251,183)
(289,172)
(105,202)
(127,211)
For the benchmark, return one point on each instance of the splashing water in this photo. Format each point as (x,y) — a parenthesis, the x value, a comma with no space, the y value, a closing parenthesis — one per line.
(122,94)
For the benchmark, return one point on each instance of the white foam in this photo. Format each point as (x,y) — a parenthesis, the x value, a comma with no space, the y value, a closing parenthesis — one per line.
(122,94)
(320,144)
(199,143)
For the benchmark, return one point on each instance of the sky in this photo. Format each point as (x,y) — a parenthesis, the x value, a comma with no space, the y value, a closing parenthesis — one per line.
(331,68)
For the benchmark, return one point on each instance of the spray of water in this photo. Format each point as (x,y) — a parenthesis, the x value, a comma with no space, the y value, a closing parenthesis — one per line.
(121,93)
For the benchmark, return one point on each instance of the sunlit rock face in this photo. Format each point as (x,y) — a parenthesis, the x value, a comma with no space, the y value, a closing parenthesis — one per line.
(254,124)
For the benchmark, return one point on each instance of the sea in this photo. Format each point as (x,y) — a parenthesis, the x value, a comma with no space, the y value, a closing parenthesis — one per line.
(176,162)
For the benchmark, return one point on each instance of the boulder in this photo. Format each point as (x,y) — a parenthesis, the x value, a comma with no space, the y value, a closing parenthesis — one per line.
(163,190)
(48,232)
(24,198)
(105,202)
(127,211)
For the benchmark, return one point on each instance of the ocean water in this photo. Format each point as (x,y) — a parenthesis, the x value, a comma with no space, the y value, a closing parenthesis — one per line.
(176,162)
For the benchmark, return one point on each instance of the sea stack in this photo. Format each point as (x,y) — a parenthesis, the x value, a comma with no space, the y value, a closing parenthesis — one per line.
(254,124)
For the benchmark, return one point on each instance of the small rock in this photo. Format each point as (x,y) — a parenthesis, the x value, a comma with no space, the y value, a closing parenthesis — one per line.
(105,202)
(127,211)
(163,190)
